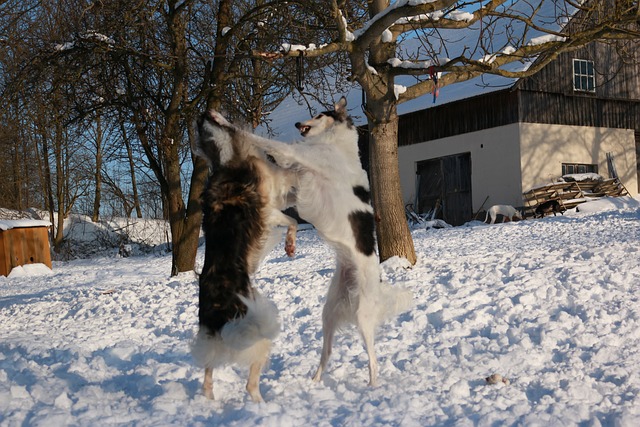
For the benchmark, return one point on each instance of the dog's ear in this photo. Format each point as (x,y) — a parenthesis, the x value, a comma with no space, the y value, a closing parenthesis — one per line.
(214,139)
(341,106)
(201,146)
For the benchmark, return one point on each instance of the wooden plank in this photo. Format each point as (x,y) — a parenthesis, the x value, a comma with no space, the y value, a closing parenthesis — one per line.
(16,247)
(42,251)
(571,194)
(5,259)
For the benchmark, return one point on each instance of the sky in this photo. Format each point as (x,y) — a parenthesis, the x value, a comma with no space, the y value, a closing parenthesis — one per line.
(456,42)
(550,304)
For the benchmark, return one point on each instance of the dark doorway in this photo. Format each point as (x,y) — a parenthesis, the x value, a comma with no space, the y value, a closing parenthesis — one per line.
(444,185)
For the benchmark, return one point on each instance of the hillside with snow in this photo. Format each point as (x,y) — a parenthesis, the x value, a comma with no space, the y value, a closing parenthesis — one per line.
(551,304)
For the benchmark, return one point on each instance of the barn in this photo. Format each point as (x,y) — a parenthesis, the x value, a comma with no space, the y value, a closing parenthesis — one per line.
(578,114)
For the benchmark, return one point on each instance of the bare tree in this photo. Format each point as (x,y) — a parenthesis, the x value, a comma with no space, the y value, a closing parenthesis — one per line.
(99,154)
(12,167)
(18,176)
(168,68)
(442,42)
(132,169)
(156,64)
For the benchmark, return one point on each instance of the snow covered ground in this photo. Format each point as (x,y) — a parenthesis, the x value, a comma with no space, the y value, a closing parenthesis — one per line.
(551,304)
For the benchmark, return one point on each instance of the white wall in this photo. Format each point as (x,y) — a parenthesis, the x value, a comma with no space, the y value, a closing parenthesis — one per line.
(546,147)
(495,164)
(507,160)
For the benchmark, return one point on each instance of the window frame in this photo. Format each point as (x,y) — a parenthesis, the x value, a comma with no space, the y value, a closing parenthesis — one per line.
(576,167)
(584,75)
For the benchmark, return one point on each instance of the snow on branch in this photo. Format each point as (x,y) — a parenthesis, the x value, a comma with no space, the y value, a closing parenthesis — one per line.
(401,9)
(420,65)
(490,58)
(91,36)
(545,39)
(287,49)
(348,35)
(455,15)
(399,90)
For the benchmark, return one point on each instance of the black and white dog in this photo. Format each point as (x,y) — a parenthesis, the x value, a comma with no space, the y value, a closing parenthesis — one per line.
(241,207)
(332,193)
(548,207)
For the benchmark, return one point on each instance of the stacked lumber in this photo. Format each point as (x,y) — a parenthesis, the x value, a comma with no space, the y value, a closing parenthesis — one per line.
(571,193)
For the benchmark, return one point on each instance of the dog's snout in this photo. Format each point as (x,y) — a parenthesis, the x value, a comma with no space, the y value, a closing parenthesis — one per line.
(298,125)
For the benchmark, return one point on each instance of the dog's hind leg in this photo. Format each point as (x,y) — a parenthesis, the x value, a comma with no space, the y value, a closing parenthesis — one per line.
(328,331)
(337,309)
(253,383)
(207,386)
(368,315)
(366,326)
(330,314)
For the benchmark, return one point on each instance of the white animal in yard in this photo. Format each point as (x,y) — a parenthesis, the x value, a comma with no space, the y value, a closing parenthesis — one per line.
(507,211)
(332,193)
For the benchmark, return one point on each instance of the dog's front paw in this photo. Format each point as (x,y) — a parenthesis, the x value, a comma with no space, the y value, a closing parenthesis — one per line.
(208,393)
(254,393)
(290,240)
(218,118)
(290,248)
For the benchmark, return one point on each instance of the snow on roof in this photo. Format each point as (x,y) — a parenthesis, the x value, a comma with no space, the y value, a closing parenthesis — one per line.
(22,223)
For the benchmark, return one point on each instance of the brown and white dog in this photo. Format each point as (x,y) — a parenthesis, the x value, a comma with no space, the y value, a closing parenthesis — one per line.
(241,206)
(332,193)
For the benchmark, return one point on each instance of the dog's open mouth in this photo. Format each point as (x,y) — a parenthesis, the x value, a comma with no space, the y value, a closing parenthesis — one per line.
(304,130)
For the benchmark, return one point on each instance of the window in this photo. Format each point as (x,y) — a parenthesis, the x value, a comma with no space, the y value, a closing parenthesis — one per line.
(571,168)
(584,78)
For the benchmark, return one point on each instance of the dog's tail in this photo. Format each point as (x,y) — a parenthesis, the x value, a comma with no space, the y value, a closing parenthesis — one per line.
(393,301)
(214,142)
(243,340)
(260,322)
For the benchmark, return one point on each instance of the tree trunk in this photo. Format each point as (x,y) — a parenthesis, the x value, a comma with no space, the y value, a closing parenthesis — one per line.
(183,227)
(132,172)
(176,210)
(394,237)
(184,221)
(48,189)
(95,216)
(27,160)
(193,221)
(17,172)
(58,154)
